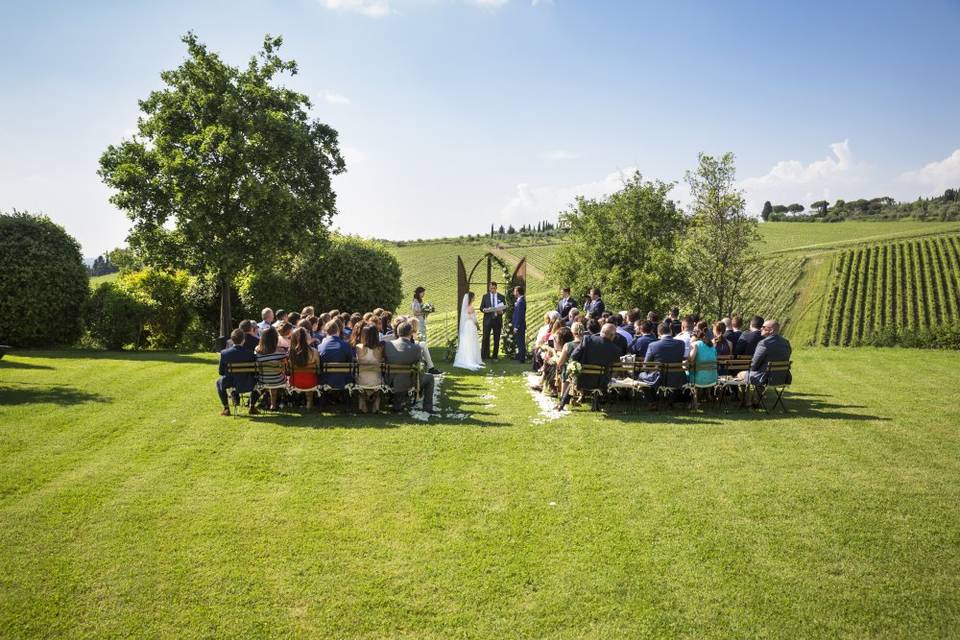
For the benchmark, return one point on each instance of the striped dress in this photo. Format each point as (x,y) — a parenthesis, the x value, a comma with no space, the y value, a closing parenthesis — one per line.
(272,379)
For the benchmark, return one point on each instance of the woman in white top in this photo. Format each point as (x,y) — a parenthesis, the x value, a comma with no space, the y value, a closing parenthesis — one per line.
(417,307)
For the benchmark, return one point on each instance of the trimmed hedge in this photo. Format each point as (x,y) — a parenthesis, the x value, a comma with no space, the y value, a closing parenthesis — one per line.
(43,282)
(344,273)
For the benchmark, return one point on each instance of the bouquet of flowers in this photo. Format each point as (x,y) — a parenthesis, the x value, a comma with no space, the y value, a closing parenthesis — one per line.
(427,307)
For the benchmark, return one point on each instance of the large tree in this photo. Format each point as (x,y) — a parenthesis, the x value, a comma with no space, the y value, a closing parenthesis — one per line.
(718,245)
(625,244)
(226,169)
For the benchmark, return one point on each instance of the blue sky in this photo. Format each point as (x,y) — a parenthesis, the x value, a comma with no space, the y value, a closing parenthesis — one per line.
(456,113)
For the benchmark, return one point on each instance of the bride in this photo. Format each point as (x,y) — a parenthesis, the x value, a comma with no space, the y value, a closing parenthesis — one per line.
(468,346)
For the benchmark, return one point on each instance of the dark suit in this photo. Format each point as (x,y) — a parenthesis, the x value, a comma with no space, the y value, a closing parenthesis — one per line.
(622,343)
(747,343)
(404,351)
(336,349)
(519,320)
(770,349)
(492,323)
(240,382)
(641,343)
(595,308)
(595,350)
(666,350)
(564,306)
(733,335)
(250,341)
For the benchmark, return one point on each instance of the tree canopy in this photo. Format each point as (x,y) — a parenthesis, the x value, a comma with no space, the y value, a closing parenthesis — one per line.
(226,169)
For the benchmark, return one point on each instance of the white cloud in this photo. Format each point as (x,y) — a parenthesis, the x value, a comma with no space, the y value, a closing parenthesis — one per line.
(332,97)
(530,204)
(936,177)
(369,8)
(840,174)
(559,154)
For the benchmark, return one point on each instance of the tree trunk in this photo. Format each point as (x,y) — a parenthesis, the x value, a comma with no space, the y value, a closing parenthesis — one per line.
(226,322)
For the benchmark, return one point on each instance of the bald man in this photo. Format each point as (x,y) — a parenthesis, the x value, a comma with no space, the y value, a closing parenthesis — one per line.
(772,348)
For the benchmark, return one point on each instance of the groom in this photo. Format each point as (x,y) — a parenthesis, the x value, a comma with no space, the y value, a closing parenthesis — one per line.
(492,305)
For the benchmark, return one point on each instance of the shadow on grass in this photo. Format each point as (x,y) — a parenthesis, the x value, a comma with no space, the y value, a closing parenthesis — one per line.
(799,406)
(128,356)
(7,363)
(24,393)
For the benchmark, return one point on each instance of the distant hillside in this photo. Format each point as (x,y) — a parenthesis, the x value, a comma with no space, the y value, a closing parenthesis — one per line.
(793,283)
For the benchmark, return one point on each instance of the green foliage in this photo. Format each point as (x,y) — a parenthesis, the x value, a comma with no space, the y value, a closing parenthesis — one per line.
(344,273)
(103,266)
(233,159)
(114,316)
(943,207)
(625,244)
(43,282)
(719,243)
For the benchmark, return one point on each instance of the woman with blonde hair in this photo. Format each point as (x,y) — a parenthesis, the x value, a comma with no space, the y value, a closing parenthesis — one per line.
(369,359)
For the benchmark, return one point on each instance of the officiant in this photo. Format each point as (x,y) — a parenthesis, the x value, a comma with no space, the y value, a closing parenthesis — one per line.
(492,306)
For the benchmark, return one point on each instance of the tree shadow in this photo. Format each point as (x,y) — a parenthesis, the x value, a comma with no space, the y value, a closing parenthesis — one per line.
(24,393)
(7,363)
(127,356)
(798,406)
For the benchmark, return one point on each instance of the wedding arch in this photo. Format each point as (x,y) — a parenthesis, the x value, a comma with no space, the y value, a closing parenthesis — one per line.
(516,278)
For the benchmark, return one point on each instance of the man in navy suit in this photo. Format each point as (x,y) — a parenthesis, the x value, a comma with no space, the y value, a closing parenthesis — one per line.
(238,382)
(734,330)
(749,340)
(566,303)
(492,321)
(519,321)
(250,339)
(643,340)
(595,307)
(335,349)
(666,350)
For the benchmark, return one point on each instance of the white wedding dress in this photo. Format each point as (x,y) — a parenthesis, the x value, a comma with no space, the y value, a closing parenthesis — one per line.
(468,343)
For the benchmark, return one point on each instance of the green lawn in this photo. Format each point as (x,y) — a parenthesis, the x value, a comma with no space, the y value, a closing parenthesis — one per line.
(128,507)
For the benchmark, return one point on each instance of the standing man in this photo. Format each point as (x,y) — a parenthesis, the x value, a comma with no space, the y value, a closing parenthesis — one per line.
(566,303)
(519,320)
(492,306)
(595,307)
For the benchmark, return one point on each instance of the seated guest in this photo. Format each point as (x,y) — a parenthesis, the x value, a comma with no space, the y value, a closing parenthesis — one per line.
(250,334)
(303,362)
(267,351)
(622,329)
(630,323)
(592,328)
(551,361)
(734,330)
(404,351)
(622,339)
(239,382)
(748,341)
(702,359)
(356,333)
(266,320)
(386,326)
(311,339)
(322,321)
(772,348)
(666,350)
(564,380)
(283,336)
(674,318)
(643,340)
(335,349)
(573,316)
(315,329)
(369,359)
(599,350)
(345,325)
(720,341)
(653,317)
(427,358)
(307,311)
(541,339)
(294,318)
(686,333)
(279,318)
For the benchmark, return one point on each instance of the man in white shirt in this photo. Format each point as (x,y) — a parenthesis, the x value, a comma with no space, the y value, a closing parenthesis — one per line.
(686,334)
(267,320)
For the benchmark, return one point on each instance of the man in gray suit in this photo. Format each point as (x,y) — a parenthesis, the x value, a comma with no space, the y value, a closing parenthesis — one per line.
(404,351)
(772,348)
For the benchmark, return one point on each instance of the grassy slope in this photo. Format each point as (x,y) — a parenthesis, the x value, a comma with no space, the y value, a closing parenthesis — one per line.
(127,505)
(95,281)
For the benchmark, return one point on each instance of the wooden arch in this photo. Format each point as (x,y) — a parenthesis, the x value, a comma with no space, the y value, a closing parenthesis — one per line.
(464,280)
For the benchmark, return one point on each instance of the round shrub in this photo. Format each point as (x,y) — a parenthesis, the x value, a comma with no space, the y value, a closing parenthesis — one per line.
(165,295)
(43,282)
(115,316)
(344,272)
